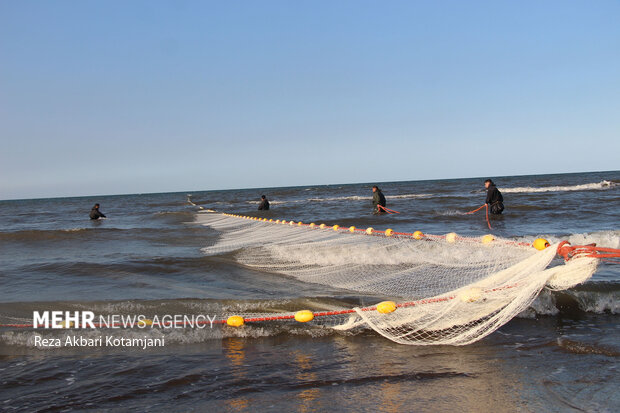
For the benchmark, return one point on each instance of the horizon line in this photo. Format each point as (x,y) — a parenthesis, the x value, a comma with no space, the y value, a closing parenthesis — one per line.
(296,186)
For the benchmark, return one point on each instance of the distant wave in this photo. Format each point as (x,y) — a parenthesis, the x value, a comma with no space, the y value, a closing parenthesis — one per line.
(41,235)
(368,198)
(405,196)
(35,235)
(273,202)
(178,213)
(342,198)
(584,187)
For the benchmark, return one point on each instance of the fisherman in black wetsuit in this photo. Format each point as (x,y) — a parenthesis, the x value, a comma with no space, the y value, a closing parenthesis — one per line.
(95,213)
(264,204)
(377,200)
(494,198)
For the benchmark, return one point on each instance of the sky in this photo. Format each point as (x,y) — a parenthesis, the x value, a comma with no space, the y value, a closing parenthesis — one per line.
(161,96)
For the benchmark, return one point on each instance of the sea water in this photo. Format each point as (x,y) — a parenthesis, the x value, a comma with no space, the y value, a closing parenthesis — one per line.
(561,354)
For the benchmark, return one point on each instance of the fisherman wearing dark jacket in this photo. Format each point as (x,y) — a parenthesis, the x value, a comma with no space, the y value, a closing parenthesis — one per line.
(264,204)
(494,198)
(377,200)
(95,213)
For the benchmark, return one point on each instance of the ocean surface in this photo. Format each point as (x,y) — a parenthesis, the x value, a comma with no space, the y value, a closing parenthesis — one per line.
(561,354)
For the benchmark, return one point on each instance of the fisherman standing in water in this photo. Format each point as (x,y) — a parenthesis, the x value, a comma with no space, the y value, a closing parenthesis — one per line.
(378,201)
(494,198)
(264,204)
(95,213)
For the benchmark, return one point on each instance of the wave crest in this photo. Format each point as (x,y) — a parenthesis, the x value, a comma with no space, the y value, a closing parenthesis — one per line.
(583,187)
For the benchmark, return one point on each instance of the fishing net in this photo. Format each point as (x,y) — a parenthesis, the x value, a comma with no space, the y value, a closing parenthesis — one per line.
(444,289)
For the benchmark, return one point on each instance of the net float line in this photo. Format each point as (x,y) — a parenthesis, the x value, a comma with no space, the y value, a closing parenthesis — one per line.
(418,235)
(383,307)
(564,249)
(459,298)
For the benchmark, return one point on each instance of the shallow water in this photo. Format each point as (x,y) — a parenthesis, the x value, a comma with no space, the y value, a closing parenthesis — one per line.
(561,354)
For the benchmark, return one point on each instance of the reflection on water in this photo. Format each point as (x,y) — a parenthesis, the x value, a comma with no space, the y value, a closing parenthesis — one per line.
(391,400)
(304,374)
(233,350)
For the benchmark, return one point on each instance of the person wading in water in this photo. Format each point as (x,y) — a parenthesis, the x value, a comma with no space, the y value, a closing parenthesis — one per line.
(95,213)
(264,204)
(378,201)
(494,198)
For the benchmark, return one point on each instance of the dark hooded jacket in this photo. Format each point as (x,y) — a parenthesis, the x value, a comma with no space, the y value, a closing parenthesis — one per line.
(96,214)
(495,199)
(378,199)
(264,205)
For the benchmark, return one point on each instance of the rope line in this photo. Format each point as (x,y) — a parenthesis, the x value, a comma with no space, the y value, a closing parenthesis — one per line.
(487,213)
(388,210)
(272,318)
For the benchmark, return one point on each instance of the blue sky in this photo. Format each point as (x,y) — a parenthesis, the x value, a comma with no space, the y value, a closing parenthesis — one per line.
(156,96)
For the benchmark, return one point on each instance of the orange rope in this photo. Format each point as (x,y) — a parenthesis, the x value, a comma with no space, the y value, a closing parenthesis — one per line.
(388,210)
(568,251)
(487,213)
(488,222)
(476,210)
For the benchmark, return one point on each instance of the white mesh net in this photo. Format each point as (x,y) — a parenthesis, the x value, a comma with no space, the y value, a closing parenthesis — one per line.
(445,292)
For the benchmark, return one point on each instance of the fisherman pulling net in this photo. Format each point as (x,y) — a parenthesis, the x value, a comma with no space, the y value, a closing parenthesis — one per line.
(435,289)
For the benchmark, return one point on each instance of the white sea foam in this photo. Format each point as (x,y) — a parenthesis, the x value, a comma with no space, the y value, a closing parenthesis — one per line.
(450,212)
(584,187)
(342,198)
(273,202)
(407,196)
(368,198)
(605,239)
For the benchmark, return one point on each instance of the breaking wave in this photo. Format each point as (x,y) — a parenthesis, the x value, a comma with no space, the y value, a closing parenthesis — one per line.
(584,187)
(593,297)
(340,198)
(368,198)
